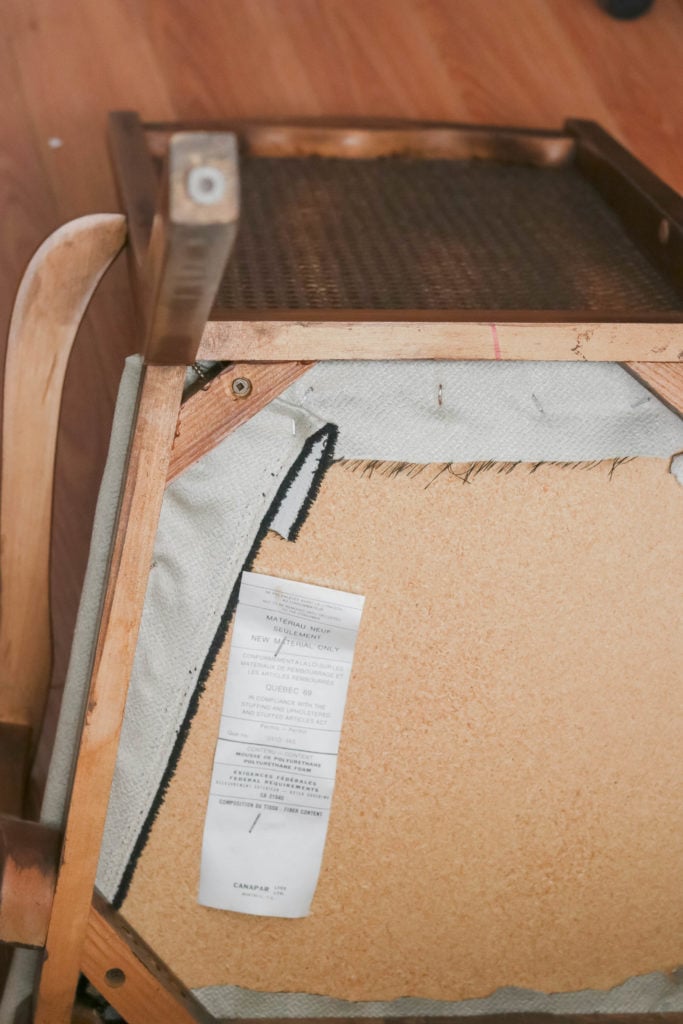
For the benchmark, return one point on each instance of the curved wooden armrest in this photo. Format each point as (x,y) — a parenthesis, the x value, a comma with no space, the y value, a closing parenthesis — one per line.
(52,298)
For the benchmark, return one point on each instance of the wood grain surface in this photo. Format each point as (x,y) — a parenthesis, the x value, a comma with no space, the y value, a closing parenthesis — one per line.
(64,65)
(223,404)
(527,336)
(135,982)
(131,557)
(666,381)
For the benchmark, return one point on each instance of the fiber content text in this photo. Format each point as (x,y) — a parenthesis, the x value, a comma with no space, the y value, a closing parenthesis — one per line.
(276,756)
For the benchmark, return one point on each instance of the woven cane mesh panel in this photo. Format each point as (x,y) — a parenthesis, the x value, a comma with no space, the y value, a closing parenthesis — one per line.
(396,233)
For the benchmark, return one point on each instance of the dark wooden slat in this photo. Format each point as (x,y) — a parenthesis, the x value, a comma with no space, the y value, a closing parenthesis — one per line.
(447,316)
(15,747)
(136,177)
(369,123)
(651,212)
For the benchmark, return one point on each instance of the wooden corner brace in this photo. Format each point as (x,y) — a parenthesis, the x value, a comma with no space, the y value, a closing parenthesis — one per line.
(114,958)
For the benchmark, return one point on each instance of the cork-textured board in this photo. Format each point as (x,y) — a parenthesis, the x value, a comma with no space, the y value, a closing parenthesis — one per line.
(509,798)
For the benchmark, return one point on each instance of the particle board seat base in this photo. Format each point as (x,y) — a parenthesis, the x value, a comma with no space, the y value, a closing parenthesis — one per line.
(488,782)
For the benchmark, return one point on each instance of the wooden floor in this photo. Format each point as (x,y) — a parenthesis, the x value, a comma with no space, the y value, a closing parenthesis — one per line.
(65,63)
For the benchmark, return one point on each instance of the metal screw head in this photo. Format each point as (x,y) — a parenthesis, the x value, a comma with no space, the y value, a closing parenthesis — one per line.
(205,185)
(241,387)
(663,231)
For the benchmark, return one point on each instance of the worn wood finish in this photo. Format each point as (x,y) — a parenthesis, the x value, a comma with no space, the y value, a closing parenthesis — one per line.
(363,141)
(194,230)
(130,561)
(141,988)
(446,334)
(665,380)
(50,304)
(216,410)
(136,179)
(28,870)
(651,212)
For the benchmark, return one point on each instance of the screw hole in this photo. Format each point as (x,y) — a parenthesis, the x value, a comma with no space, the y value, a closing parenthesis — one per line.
(241,387)
(115,977)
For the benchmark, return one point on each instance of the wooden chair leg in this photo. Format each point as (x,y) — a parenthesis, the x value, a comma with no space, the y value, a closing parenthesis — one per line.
(131,558)
(15,751)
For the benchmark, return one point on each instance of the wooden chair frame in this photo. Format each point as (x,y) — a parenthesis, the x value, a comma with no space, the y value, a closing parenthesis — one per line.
(177,248)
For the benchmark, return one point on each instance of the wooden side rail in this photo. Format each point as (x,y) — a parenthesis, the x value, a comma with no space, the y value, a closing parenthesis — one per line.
(136,179)
(650,211)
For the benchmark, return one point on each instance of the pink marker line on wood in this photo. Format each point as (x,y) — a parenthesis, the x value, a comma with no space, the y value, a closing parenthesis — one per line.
(496,342)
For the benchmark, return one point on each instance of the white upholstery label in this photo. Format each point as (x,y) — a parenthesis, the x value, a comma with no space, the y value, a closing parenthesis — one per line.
(276,757)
